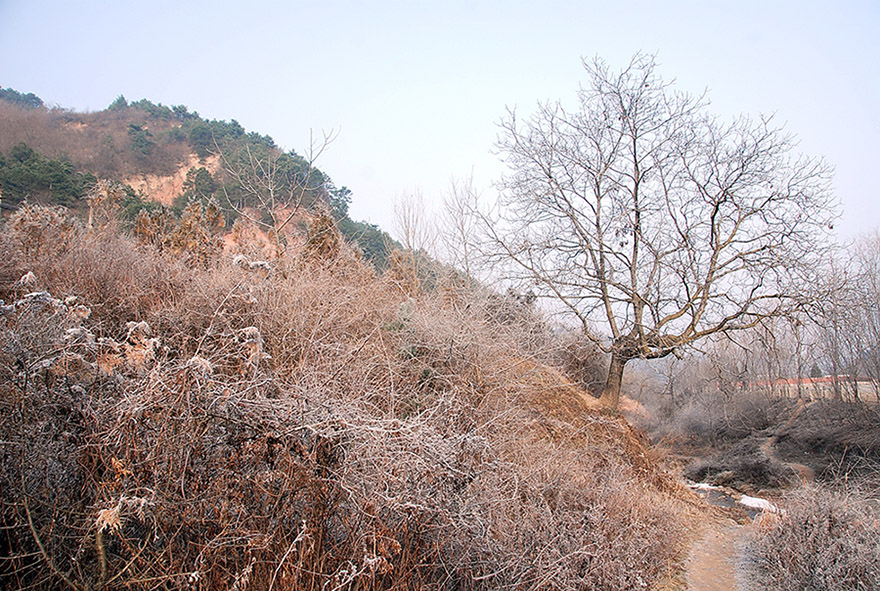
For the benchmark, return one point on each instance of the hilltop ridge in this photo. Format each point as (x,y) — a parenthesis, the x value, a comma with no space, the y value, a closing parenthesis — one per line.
(167,156)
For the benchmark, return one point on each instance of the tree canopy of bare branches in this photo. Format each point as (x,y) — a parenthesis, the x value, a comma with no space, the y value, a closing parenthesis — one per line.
(653,222)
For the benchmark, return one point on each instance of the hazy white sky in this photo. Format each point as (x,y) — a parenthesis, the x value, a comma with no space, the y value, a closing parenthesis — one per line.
(416,89)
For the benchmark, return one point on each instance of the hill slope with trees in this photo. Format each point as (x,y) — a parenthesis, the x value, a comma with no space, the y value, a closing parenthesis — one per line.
(56,157)
(213,378)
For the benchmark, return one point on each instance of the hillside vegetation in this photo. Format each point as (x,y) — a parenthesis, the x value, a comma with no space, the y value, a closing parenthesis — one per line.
(169,156)
(303,425)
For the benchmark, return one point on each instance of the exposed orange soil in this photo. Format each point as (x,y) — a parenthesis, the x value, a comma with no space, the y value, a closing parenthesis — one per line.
(165,188)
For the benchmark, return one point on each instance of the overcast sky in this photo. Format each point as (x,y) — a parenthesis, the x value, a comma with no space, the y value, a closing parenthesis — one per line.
(416,89)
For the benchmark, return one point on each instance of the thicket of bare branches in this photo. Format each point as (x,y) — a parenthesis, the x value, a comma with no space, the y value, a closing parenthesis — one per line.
(174,426)
(273,188)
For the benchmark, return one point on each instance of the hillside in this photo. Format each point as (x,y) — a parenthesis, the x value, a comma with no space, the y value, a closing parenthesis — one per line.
(167,156)
(299,426)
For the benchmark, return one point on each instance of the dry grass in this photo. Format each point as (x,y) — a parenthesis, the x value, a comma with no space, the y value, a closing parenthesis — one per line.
(97,142)
(309,428)
(742,465)
(711,417)
(824,540)
(845,434)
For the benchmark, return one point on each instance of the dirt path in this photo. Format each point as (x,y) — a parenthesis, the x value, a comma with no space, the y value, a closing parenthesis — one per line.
(806,473)
(712,562)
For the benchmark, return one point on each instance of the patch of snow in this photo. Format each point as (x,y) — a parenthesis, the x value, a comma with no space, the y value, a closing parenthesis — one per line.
(757,503)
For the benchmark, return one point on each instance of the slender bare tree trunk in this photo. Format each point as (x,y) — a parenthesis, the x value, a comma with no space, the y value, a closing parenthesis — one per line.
(611,394)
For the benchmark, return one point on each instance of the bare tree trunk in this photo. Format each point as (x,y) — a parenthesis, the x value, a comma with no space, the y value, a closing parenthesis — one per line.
(611,393)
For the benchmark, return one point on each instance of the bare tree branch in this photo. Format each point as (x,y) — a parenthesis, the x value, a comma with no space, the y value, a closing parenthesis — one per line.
(271,194)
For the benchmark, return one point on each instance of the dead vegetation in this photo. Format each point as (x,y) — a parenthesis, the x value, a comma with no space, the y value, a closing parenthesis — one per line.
(824,539)
(724,437)
(204,426)
(837,437)
(98,142)
(743,466)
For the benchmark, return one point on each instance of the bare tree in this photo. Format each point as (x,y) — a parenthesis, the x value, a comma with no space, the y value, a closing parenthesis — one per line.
(104,200)
(417,234)
(646,216)
(850,320)
(459,225)
(412,223)
(273,186)
(868,257)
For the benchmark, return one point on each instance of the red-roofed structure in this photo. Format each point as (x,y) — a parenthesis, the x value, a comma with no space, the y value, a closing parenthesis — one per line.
(842,387)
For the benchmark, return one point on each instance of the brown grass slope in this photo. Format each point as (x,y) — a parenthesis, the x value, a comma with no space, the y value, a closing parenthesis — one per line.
(98,142)
(169,426)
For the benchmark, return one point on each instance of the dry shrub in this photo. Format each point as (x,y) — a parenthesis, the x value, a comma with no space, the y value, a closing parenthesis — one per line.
(403,272)
(195,235)
(836,428)
(713,417)
(581,359)
(188,483)
(120,281)
(249,240)
(38,231)
(305,430)
(323,241)
(824,539)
